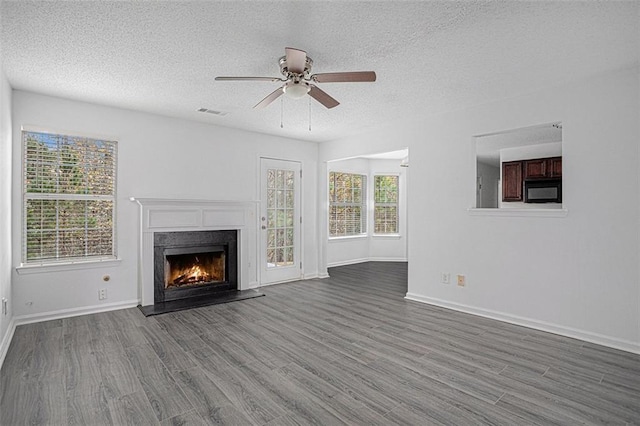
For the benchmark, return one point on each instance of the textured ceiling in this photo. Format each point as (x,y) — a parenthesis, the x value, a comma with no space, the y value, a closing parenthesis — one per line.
(430,57)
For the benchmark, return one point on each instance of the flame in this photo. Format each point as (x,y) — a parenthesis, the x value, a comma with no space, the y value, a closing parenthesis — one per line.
(195,272)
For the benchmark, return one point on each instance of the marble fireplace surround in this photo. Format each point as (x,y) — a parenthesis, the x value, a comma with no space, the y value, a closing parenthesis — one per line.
(175,215)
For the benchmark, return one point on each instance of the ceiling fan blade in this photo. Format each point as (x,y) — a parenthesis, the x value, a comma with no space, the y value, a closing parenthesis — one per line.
(322,97)
(345,77)
(296,60)
(248,79)
(270,98)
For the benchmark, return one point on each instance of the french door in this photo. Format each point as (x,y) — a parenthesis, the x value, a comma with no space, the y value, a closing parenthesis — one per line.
(280,220)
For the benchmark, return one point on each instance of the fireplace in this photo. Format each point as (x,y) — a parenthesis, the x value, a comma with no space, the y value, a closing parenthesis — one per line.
(194,264)
(167,224)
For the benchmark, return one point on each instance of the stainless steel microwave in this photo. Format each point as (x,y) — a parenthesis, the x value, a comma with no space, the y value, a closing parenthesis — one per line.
(543,191)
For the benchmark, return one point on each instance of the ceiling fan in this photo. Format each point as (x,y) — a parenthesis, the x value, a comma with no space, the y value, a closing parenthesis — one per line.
(298,81)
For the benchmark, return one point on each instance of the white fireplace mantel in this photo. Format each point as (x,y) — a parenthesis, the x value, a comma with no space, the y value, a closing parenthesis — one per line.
(175,215)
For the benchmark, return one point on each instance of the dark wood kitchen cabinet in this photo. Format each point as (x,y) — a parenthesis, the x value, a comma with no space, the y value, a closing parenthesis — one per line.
(512,181)
(535,169)
(543,168)
(515,173)
(555,166)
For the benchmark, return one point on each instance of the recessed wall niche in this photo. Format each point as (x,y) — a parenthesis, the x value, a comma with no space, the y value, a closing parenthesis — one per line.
(520,169)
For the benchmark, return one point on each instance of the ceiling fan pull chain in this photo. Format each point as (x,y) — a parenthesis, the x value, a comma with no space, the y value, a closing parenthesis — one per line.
(281,112)
(309,114)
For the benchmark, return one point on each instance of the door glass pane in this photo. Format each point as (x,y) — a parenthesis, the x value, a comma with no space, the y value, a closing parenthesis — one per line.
(271,198)
(280,199)
(271,179)
(289,180)
(289,199)
(280,179)
(280,217)
(271,219)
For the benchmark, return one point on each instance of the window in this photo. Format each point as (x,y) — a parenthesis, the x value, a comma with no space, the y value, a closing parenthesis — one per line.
(385,205)
(347,204)
(69,198)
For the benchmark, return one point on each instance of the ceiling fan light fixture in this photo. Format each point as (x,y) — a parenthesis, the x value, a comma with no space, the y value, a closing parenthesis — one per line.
(295,66)
(296,90)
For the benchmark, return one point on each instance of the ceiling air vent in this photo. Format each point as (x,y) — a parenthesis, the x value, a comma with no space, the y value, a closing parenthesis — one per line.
(211,111)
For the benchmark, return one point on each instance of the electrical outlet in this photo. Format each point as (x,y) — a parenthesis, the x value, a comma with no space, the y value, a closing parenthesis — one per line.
(462,280)
(446,278)
(102,294)
(4,305)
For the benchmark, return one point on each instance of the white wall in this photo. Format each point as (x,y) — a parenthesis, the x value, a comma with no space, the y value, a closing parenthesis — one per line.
(349,250)
(490,176)
(575,275)
(158,157)
(5,211)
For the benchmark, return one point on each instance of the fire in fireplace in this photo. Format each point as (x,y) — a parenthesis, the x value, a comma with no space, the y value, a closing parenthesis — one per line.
(206,265)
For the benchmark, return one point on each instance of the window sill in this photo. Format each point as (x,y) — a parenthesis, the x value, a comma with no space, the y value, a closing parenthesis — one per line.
(348,237)
(26,269)
(387,236)
(519,212)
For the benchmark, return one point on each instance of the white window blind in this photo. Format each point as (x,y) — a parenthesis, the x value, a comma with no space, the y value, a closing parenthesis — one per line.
(347,204)
(69,198)
(385,204)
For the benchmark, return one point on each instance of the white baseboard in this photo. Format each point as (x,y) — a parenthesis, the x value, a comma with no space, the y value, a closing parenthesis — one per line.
(303,277)
(347,262)
(6,340)
(74,312)
(323,275)
(387,259)
(599,339)
(366,259)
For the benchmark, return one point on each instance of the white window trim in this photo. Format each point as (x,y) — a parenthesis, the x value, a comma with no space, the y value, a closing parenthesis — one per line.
(373,206)
(41,268)
(62,264)
(395,236)
(348,237)
(365,205)
(57,131)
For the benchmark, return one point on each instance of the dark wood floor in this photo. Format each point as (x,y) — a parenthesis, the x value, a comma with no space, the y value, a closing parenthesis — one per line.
(344,350)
